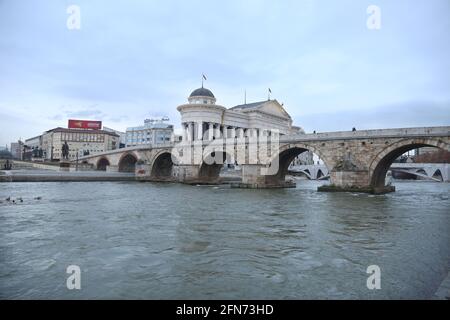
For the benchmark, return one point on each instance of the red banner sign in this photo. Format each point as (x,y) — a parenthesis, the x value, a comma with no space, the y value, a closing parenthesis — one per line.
(84,124)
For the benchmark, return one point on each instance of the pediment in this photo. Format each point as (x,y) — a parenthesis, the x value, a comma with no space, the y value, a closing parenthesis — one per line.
(273,107)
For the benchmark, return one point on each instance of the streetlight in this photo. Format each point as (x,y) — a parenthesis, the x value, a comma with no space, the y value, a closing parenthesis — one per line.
(76,166)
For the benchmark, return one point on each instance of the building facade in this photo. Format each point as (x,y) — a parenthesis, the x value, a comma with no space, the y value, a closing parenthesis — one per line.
(153,132)
(203,119)
(80,141)
(122,136)
(17,149)
(304,158)
(33,148)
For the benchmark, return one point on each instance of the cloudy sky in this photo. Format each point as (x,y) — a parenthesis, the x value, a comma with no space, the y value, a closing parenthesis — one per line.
(131,60)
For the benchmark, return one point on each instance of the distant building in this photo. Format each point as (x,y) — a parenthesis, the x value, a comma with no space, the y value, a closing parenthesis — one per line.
(122,135)
(35,142)
(81,141)
(17,149)
(203,119)
(33,148)
(433,156)
(304,158)
(424,150)
(153,132)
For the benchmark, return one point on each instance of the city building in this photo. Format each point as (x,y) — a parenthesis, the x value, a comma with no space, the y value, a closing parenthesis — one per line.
(33,148)
(122,135)
(17,149)
(304,158)
(153,132)
(80,141)
(203,119)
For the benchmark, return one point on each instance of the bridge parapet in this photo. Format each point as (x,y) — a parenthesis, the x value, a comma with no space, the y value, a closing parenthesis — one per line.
(376,133)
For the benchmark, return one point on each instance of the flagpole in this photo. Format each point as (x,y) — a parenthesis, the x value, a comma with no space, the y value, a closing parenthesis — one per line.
(203,78)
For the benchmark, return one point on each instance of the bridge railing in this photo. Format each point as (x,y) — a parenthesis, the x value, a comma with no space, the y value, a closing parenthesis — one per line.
(376,133)
(134,148)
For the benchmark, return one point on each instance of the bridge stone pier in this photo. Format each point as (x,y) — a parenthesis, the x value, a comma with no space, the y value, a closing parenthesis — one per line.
(359,160)
(356,160)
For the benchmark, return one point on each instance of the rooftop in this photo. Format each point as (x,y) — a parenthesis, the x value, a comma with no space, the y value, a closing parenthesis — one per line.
(249,105)
(59,129)
(202,92)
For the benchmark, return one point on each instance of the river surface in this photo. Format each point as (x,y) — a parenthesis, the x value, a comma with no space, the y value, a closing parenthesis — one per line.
(173,241)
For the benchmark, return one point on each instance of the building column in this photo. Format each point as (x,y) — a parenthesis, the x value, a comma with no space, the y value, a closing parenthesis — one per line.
(186,132)
(240,132)
(263,133)
(249,132)
(200,130)
(217,131)
(194,131)
(190,131)
(233,132)
(210,131)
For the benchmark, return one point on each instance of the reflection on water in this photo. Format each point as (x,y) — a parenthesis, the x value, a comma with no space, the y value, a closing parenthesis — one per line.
(145,240)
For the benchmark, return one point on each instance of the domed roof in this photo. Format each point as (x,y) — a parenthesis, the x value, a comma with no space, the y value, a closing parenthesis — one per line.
(202,92)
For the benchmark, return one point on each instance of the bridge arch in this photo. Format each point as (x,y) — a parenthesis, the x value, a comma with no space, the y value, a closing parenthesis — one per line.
(421,174)
(102,164)
(127,162)
(438,175)
(162,166)
(211,165)
(286,155)
(308,173)
(319,174)
(383,160)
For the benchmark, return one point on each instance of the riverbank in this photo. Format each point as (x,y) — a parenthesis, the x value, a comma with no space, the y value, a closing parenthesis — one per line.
(57,176)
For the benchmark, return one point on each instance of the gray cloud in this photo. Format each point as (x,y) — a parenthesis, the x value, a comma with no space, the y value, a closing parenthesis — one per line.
(406,114)
(144,58)
(87,113)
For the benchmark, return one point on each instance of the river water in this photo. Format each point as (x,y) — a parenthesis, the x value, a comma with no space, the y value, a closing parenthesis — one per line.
(170,241)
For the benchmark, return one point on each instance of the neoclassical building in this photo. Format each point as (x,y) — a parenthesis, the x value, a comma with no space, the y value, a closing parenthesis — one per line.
(203,119)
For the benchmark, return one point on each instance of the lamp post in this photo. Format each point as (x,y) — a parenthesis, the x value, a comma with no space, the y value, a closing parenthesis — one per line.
(76,166)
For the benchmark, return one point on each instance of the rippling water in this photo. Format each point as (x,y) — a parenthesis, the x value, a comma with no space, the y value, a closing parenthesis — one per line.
(145,240)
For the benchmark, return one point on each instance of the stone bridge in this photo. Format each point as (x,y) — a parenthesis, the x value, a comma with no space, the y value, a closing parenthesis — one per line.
(356,160)
(439,172)
(312,171)
(429,171)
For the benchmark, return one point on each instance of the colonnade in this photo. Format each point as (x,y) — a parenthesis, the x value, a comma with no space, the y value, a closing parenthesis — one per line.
(196,131)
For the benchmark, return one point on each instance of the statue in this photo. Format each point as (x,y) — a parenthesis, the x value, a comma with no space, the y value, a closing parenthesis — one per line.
(65,151)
